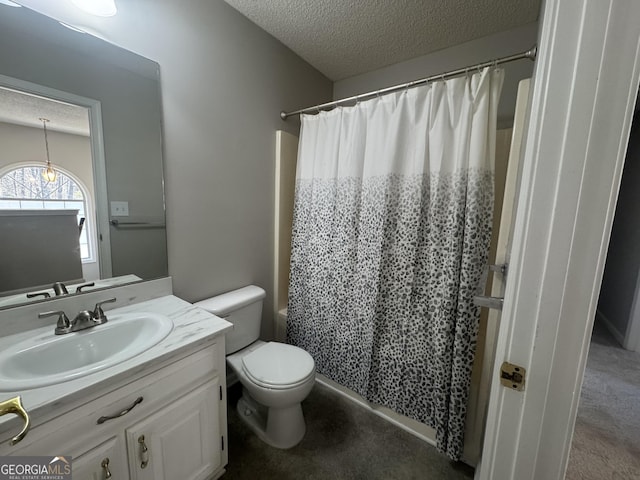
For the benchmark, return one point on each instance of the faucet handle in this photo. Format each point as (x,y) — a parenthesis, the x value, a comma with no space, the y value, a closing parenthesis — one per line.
(84,285)
(63,326)
(38,294)
(98,313)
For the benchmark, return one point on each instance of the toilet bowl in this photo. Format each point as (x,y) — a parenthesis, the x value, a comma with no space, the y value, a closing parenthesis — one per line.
(275,377)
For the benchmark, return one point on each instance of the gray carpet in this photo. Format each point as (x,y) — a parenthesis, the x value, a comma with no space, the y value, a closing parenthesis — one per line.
(343,441)
(606,441)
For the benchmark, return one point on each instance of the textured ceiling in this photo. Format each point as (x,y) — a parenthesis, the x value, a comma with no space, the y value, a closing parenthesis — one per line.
(24,109)
(343,38)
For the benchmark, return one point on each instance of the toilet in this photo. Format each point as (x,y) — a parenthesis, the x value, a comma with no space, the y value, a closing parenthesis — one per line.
(275,377)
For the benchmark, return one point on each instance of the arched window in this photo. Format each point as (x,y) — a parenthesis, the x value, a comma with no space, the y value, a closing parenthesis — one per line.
(24,188)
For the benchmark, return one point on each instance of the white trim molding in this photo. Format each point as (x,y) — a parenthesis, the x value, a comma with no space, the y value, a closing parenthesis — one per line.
(584,91)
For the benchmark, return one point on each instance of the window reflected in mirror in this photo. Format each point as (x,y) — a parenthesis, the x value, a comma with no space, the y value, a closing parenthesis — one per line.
(25,188)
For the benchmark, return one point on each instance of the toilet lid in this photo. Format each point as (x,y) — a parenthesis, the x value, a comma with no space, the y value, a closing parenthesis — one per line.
(278,364)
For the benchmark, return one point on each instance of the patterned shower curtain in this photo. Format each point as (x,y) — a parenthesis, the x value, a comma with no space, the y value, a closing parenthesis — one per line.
(392,224)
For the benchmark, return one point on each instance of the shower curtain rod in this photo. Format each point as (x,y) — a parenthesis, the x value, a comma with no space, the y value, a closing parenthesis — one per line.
(530,54)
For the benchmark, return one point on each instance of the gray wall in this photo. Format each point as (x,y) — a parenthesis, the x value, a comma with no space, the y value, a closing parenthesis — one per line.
(476,51)
(224,82)
(622,269)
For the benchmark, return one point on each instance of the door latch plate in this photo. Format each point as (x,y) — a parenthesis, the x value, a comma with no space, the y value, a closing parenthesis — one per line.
(512,376)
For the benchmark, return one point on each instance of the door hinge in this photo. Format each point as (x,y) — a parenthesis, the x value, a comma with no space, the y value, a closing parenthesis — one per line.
(512,376)
(222,438)
(220,392)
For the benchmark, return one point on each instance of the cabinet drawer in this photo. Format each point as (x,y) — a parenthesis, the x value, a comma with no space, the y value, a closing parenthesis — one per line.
(79,428)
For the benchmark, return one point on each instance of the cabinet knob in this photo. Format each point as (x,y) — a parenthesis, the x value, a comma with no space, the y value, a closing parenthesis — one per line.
(144,452)
(105,467)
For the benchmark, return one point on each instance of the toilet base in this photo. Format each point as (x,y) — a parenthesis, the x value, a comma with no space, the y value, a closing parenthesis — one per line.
(279,427)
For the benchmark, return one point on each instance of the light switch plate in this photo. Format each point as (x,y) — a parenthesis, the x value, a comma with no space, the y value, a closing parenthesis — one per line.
(119,209)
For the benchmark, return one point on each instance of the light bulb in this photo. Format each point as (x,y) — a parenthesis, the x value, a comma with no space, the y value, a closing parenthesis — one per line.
(50,174)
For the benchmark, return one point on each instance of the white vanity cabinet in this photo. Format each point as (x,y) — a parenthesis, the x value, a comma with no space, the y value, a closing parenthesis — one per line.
(167,423)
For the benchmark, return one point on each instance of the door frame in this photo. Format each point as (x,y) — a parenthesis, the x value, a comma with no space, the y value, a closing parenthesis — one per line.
(96,138)
(585,85)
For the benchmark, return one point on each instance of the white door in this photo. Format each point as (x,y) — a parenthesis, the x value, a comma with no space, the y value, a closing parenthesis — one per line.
(584,91)
(479,394)
(181,441)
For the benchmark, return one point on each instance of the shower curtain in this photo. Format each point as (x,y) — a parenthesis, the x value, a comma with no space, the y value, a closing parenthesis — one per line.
(392,224)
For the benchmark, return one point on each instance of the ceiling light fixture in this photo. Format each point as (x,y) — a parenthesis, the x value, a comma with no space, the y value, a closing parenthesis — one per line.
(101,8)
(49,173)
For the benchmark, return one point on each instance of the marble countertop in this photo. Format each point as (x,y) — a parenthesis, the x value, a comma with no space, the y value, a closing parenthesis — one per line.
(192,326)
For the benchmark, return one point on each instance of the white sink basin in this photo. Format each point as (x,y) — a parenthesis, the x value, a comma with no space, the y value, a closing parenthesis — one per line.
(47,359)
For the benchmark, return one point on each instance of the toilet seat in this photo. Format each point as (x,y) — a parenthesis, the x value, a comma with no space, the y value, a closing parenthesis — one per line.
(278,366)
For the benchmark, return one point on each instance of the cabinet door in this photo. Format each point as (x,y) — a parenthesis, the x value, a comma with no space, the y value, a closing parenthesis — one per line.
(107,460)
(181,441)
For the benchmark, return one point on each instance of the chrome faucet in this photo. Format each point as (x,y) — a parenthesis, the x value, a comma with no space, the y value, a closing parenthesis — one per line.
(59,289)
(83,320)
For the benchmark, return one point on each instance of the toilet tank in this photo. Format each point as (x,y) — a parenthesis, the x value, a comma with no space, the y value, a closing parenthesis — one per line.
(243,308)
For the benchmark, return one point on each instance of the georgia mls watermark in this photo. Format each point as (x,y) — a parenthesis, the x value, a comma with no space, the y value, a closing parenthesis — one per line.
(35,468)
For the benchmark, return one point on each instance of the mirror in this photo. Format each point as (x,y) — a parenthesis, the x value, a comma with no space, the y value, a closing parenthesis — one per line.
(121,172)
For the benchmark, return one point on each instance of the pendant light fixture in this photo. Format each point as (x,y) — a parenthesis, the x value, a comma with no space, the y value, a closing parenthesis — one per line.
(49,173)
